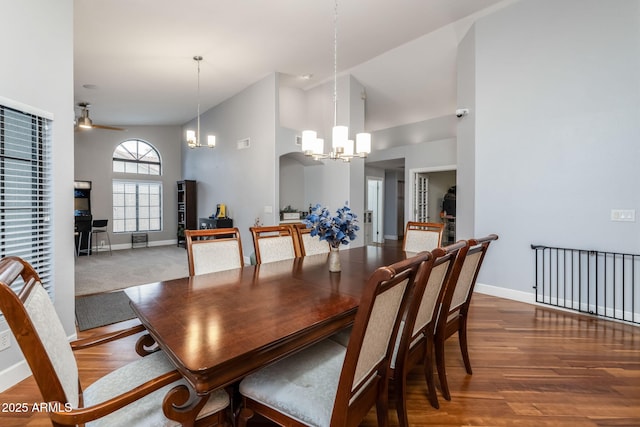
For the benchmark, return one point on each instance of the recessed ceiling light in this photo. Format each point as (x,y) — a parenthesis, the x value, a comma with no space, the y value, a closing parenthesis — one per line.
(306,76)
(90,86)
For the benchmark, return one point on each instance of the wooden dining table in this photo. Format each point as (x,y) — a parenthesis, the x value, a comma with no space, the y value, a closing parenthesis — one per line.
(219,327)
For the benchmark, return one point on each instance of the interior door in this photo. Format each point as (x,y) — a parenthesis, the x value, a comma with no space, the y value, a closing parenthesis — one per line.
(374,204)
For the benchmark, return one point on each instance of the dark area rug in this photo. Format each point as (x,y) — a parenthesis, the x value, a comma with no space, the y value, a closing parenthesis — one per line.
(98,310)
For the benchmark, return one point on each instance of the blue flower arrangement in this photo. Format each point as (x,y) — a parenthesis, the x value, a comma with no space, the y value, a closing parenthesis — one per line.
(336,230)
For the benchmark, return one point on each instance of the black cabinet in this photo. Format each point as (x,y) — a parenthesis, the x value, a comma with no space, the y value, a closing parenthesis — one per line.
(187,209)
(207,223)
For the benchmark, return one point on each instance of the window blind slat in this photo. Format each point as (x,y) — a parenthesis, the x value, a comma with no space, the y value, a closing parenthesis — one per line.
(25,187)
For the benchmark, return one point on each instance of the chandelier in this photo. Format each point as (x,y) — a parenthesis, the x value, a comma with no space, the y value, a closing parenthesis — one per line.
(342,148)
(193,137)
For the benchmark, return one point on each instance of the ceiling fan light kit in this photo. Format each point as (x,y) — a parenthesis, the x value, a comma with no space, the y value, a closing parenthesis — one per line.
(84,122)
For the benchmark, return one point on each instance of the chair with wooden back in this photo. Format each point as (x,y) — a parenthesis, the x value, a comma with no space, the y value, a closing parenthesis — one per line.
(328,384)
(310,245)
(214,249)
(275,243)
(454,310)
(422,236)
(131,395)
(415,345)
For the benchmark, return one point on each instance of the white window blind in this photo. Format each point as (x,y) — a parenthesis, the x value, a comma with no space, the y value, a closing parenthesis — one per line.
(25,189)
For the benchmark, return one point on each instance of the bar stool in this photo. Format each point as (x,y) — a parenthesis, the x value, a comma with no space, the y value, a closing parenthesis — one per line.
(97,227)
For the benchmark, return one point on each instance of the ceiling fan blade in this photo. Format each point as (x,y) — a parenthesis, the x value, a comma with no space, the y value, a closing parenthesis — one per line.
(106,127)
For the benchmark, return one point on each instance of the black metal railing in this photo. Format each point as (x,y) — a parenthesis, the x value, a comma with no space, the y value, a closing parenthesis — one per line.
(601,283)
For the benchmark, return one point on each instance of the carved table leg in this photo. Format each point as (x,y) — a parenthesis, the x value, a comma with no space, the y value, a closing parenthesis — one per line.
(182,406)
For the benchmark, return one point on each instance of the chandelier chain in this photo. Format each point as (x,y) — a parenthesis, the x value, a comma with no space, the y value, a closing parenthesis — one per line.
(335,63)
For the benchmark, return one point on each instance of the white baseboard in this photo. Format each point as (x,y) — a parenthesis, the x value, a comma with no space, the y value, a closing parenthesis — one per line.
(13,375)
(391,237)
(122,246)
(511,294)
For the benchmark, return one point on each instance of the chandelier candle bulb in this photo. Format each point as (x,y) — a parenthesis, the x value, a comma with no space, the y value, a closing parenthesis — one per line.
(340,136)
(309,138)
(363,144)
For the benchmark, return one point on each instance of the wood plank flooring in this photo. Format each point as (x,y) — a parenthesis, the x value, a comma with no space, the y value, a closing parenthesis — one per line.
(533,366)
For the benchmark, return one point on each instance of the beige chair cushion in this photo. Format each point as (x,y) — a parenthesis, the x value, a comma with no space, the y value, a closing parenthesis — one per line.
(276,248)
(215,255)
(313,245)
(426,311)
(421,240)
(465,278)
(47,324)
(146,411)
(303,385)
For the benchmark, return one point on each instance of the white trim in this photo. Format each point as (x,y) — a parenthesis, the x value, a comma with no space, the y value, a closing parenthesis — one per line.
(13,375)
(511,294)
(122,246)
(391,237)
(409,208)
(16,105)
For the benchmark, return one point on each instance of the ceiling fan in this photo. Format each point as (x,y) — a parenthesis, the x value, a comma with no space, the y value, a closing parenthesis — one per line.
(84,122)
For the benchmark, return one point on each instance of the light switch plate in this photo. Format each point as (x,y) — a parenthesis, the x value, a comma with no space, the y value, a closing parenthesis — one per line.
(628,215)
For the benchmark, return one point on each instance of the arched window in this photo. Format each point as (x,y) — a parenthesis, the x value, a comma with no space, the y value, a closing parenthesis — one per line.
(136,156)
(137,204)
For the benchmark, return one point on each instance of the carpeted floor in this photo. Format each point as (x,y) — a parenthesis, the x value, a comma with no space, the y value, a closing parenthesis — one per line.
(103,272)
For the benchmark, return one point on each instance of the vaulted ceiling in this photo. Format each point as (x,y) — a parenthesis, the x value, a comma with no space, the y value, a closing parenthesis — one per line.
(134,58)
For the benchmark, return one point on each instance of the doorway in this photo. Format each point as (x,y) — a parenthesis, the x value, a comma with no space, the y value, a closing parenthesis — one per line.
(375,198)
(428,187)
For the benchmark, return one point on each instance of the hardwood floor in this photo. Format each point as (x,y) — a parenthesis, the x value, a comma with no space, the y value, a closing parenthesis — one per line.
(532,366)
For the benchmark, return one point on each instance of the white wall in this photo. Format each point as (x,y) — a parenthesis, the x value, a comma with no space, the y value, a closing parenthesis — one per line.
(292,187)
(429,154)
(93,162)
(557,121)
(245,180)
(37,70)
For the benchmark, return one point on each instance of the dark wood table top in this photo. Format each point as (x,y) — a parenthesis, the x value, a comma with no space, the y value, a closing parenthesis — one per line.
(219,327)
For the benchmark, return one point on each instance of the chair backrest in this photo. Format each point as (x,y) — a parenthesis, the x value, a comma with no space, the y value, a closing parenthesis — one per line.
(99,223)
(214,249)
(275,243)
(446,266)
(422,236)
(459,296)
(310,245)
(36,326)
(364,376)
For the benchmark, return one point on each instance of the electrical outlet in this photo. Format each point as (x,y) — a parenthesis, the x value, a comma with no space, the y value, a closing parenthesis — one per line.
(102,243)
(5,340)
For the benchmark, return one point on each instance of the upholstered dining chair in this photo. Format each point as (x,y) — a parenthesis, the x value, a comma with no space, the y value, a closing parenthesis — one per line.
(415,345)
(310,245)
(328,384)
(454,309)
(274,243)
(213,249)
(131,395)
(422,236)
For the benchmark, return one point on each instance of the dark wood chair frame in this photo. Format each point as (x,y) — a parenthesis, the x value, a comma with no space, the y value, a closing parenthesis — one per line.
(409,356)
(271,231)
(12,306)
(196,237)
(455,320)
(375,390)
